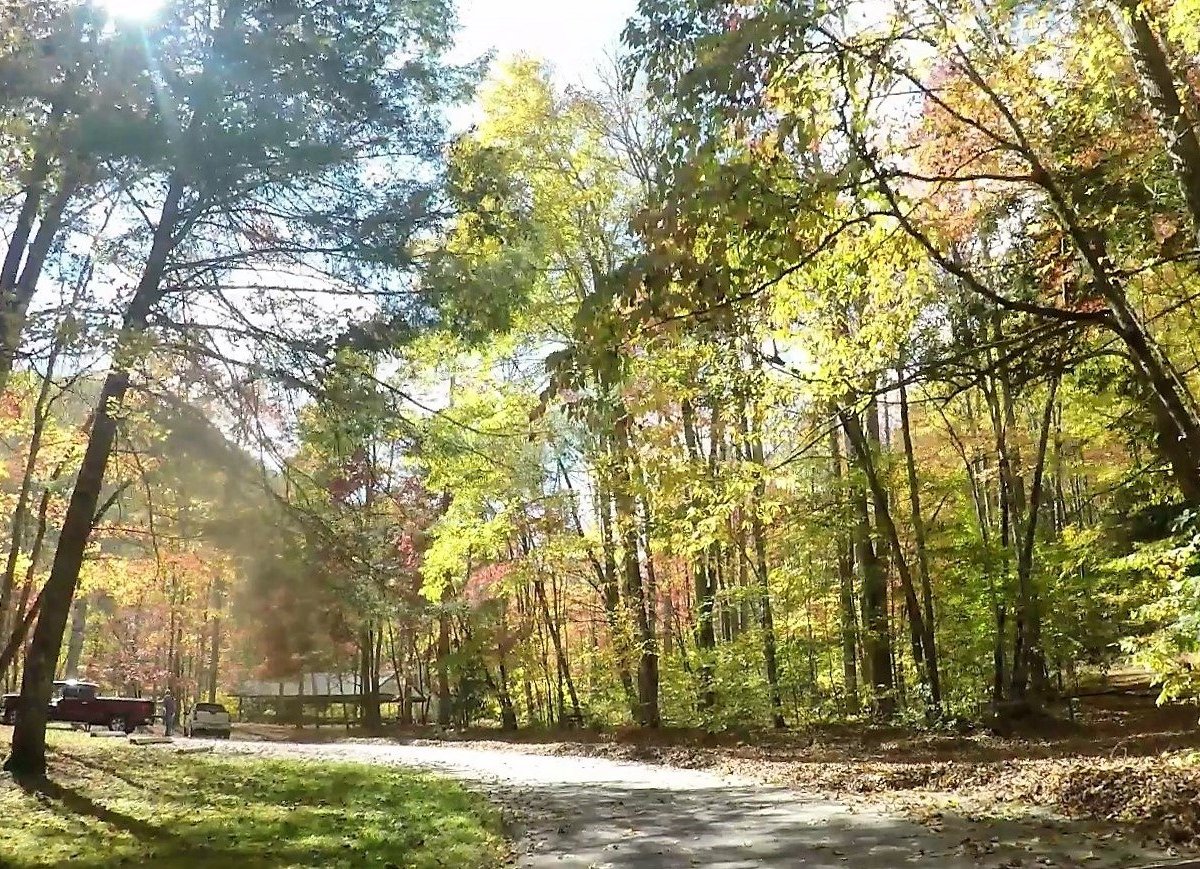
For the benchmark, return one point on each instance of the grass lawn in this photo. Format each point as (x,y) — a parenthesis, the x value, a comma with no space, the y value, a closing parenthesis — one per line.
(112,804)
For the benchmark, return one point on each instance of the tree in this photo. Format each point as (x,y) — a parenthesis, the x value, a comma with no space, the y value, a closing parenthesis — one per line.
(256,159)
(556,170)
(839,363)
(976,143)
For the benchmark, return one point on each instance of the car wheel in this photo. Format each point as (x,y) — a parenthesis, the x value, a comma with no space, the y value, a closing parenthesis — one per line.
(117,723)
(10,717)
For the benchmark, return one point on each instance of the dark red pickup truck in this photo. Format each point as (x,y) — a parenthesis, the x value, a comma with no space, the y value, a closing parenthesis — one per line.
(79,703)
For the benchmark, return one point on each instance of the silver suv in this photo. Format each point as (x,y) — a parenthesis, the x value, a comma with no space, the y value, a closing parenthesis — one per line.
(208,719)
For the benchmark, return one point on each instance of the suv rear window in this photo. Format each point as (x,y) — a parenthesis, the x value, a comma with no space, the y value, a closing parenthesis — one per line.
(210,707)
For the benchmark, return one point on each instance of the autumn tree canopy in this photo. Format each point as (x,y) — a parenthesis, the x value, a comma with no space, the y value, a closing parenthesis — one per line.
(813,362)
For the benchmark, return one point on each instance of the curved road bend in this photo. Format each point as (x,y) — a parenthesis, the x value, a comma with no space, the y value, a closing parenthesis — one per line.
(591,813)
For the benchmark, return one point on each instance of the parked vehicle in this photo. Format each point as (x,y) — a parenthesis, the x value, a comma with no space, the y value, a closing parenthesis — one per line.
(208,719)
(80,703)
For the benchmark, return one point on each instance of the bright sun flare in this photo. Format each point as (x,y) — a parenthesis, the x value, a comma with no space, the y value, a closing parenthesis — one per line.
(134,10)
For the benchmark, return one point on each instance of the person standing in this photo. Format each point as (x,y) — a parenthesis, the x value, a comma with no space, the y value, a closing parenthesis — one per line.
(169,710)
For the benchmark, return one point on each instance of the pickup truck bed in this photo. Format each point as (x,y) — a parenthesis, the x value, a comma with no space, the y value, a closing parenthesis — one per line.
(80,703)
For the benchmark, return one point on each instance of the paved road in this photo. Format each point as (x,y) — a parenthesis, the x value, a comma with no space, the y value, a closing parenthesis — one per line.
(589,813)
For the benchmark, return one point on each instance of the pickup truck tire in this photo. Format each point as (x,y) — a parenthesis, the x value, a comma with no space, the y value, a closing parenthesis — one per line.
(10,717)
(118,722)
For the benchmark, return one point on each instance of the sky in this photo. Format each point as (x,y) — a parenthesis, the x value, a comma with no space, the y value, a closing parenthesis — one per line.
(573,35)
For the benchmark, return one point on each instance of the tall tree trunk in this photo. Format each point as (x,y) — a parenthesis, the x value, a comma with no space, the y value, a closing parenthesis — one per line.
(743,571)
(766,615)
(1011,501)
(368,681)
(1149,54)
(1015,506)
(648,664)
(1029,662)
(877,641)
(443,658)
(79,618)
(1061,511)
(999,652)
(28,755)
(531,705)
(20,631)
(703,565)
(883,519)
(1013,461)
(16,302)
(929,641)
(31,203)
(1009,507)
(675,630)
(217,604)
(605,571)
(172,644)
(560,657)
(26,617)
(1165,392)
(214,660)
(41,413)
(34,190)
(396,652)
(635,599)
(508,712)
(844,549)
(610,595)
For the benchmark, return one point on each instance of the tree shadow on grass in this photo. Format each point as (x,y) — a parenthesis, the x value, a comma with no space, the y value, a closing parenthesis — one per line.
(113,770)
(228,813)
(73,805)
(71,802)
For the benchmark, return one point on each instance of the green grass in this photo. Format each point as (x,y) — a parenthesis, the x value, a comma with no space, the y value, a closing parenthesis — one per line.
(111,804)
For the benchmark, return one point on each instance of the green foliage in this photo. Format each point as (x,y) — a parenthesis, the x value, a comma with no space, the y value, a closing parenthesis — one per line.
(1170,619)
(594,424)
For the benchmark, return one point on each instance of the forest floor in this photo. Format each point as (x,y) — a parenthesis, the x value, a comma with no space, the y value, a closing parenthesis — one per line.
(109,803)
(1123,762)
(1120,786)
(576,812)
